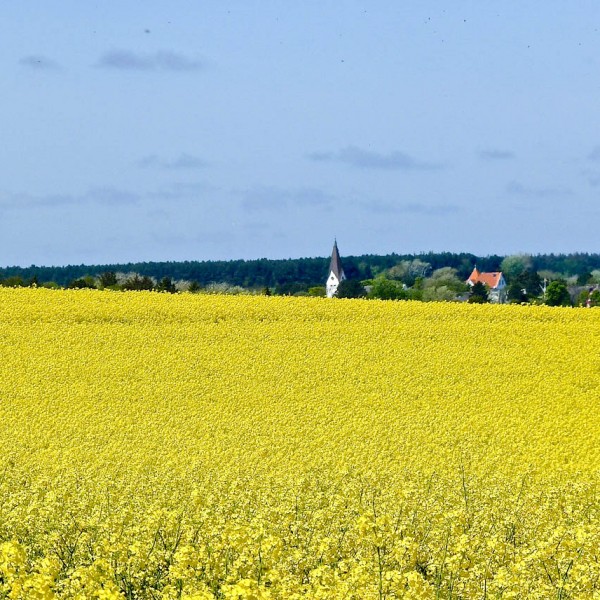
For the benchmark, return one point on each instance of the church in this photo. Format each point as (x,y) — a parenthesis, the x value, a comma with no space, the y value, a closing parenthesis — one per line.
(336,272)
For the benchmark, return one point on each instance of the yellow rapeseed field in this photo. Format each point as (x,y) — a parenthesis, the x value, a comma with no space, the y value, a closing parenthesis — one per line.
(197,447)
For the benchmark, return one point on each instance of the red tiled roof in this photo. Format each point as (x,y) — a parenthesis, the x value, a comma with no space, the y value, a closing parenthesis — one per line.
(490,279)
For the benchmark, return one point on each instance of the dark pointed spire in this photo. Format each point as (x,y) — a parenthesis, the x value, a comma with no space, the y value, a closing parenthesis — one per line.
(335,266)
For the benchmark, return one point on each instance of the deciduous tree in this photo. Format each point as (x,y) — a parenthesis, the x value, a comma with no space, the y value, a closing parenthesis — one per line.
(386,289)
(512,266)
(350,288)
(557,294)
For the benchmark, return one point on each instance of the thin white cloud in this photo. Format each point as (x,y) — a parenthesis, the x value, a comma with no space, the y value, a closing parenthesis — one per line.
(360,158)
(111,196)
(410,208)
(179,190)
(106,196)
(518,189)
(164,195)
(272,198)
(162,60)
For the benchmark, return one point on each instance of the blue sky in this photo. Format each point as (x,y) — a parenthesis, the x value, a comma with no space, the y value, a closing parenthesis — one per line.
(188,130)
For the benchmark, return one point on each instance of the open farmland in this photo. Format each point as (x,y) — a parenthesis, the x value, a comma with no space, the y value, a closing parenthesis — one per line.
(189,446)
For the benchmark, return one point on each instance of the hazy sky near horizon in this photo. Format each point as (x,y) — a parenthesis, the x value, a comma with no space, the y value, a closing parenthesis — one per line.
(185,130)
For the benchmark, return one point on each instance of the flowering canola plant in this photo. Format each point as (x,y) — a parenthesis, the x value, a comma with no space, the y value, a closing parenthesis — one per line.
(199,447)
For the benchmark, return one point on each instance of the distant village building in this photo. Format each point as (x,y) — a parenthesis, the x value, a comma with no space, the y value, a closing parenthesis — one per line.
(336,272)
(494,281)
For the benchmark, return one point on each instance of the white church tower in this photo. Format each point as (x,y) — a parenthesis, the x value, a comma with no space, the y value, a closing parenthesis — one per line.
(336,272)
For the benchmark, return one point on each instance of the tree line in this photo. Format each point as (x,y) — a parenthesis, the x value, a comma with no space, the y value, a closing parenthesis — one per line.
(426,276)
(251,273)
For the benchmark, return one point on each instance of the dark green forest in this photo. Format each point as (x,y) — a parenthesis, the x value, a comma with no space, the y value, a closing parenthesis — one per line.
(292,275)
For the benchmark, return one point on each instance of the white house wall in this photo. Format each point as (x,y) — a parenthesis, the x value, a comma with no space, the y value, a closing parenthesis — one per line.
(332,285)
